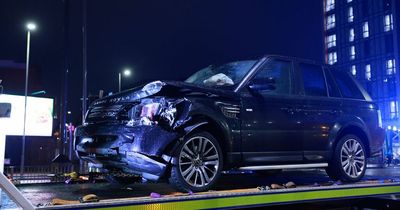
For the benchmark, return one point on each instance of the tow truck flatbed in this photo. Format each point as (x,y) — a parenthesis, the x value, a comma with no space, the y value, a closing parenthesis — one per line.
(233,191)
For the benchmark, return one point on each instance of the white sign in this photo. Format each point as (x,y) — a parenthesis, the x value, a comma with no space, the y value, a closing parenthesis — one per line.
(39,116)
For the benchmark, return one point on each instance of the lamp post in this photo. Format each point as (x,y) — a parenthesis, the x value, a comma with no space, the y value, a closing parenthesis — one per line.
(30,27)
(126,72)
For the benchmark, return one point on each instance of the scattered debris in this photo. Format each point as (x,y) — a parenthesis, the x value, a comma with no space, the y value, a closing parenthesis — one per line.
(89,198)
(263,188)
(155,195)
(44,204)
(58,201)
(290,185)
(190,192)
(85,199)
(316,184)
(338,183)
(277,186)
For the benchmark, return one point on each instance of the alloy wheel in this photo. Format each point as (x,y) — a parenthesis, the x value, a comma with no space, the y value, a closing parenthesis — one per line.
(352,158)
(199,161)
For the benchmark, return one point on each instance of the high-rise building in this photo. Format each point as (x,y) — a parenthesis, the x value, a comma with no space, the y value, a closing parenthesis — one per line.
(362,37)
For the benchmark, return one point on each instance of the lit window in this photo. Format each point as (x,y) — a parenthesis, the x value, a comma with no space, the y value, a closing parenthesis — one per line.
(332,58)
(394,109)
(352,52)
(331,41)
(351,15)
(330,5)
(351,35)
(330,21)
(353,70)
(365,30)
(368,72)
(388,22)
(390,67)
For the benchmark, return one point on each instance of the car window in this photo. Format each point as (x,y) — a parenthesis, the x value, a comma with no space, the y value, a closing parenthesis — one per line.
(313,80)
(346,85)
(332,88)
(273,78)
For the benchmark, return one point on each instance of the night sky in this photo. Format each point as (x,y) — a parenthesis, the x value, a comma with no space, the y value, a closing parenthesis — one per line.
(157,39)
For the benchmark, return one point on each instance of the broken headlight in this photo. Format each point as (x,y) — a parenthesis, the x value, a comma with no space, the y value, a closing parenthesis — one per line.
(151,112)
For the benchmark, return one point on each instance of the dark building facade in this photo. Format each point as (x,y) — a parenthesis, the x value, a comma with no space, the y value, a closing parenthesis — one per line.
(362,37)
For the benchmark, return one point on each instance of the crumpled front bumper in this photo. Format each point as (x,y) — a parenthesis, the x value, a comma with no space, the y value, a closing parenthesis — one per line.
(138,150)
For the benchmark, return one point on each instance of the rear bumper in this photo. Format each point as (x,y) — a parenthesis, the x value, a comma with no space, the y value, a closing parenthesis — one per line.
(376,142)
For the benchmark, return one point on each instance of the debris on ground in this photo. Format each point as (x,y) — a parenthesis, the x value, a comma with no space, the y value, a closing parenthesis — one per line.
(58,201)
(89,198)
(155,195)
(290,185)
(277,186)
(263,188)
(316,185)
(85,199)
(338,183)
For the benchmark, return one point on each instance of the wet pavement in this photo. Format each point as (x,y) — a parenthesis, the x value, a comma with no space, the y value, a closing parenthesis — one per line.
(44,193)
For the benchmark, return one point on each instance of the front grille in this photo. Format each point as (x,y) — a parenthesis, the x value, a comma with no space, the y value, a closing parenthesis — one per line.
(104,113)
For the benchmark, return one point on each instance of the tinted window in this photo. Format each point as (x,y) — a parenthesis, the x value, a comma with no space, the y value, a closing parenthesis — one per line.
(313,80)
(273,78)
(346,85)
(332,89)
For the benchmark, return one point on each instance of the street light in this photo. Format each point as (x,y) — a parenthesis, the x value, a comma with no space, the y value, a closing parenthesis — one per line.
(127,73)
(30,27)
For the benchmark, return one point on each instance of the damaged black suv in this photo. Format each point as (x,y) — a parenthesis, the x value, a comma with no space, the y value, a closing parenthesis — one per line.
(273,113)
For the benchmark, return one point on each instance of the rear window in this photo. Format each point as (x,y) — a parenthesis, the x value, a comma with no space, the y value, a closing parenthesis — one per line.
(313,80)
(346,85)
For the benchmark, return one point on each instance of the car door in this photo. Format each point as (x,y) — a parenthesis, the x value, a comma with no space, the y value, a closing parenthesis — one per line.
(271,132)
(321,109)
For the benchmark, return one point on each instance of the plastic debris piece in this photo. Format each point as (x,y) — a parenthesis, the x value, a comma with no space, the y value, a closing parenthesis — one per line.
(68,181)
(290,185)
(316,184)
(89,198)
(58,201)
(338,183)
(263,188)
(155,195)
(277,186)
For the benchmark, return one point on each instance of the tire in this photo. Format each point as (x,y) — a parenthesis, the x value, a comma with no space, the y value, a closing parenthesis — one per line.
(349,160)
(197,169)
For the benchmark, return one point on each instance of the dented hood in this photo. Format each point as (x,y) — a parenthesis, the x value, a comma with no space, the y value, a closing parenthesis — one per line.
(163,88)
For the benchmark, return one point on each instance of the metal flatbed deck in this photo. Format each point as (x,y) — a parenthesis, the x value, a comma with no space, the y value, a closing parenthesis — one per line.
(244,197)
(234,191)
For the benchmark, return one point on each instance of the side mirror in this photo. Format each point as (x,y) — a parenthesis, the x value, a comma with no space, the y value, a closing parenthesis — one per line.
(5,110)
(262,84)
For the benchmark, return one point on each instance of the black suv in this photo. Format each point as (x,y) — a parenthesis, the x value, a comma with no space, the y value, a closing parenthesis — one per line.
(273,113)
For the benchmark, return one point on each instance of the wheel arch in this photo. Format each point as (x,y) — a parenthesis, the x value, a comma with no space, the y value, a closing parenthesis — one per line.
(353,129)
(219,130)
